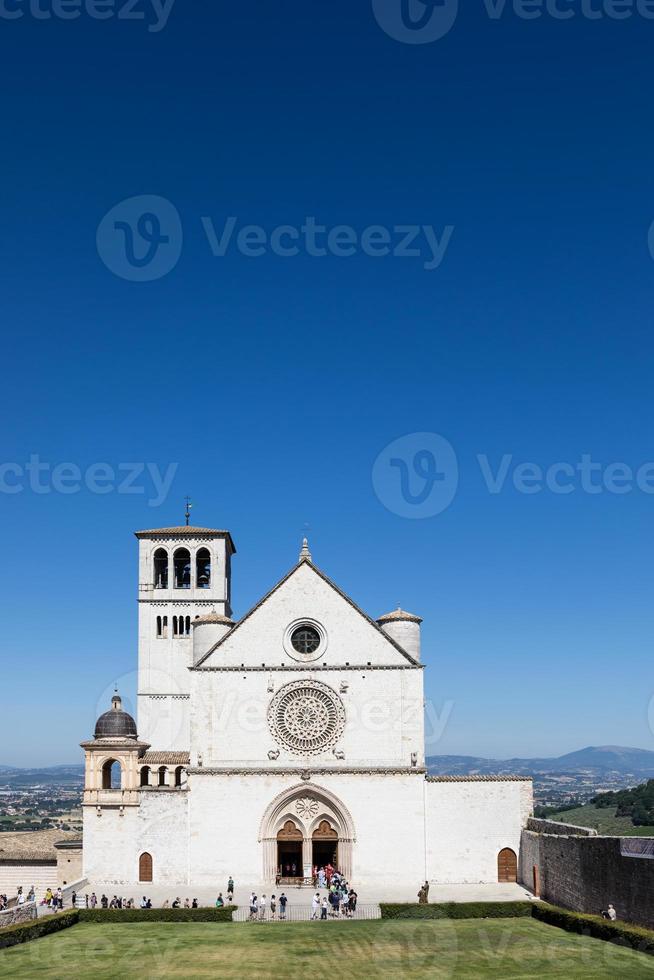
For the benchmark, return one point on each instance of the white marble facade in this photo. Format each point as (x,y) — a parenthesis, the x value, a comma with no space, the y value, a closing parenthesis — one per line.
(290,737)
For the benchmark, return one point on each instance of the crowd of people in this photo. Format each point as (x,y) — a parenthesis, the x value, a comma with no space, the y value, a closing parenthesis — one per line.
(339,901)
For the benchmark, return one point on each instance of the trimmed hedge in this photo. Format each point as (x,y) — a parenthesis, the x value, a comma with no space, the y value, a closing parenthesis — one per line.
(622,933)
(35,928)
(157,915)
(456,910)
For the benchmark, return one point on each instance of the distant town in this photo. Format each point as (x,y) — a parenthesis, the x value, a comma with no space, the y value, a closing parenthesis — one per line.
(41,799)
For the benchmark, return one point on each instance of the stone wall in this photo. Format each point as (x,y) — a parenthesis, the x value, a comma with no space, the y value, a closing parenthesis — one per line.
(585,873)
(559,829)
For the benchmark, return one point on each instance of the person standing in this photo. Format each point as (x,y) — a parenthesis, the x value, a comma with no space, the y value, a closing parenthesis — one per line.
(282,905)
(262,908)
(273,907)
(323,908)
(253,907)
(315,906)
(230,889)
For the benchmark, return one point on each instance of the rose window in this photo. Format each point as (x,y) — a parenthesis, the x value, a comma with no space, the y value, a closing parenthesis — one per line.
(306,717)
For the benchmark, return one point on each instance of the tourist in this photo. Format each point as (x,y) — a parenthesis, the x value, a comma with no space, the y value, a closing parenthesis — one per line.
(230,889)
(73,900)
(194,903)
(60,898)
(322,879)
(273,906)
(253,907)
(94,900)
(262,908)
(293,870)
(177,903)
(104,902)
(149,904)
(282,905)
(352,901)
(323,908)
(187,904)
(144,902)
(315,906)
(166,904)
(219,901)
(20,898)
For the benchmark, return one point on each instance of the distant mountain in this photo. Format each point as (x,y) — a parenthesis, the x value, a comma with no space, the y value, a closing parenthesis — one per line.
(47,776)
(600,759)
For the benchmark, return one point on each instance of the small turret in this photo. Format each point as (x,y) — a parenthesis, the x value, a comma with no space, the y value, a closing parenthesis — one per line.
(207,630)
(404,628)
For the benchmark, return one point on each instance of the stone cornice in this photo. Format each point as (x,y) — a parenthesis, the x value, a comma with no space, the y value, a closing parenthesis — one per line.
(479,779)
(309,668)
(307,773)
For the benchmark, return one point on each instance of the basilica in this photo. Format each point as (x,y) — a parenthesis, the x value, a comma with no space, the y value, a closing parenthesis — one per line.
(287,740)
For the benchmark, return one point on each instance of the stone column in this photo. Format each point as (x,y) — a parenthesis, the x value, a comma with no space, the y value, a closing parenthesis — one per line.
(307,856)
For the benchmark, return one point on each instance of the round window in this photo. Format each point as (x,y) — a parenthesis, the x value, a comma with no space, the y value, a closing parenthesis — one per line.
(305,639)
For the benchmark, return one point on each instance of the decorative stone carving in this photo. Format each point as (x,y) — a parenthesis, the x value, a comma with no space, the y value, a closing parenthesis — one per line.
(273,754)
(344,686)
(339,753)
(307,717)
(306,807)
(414,758)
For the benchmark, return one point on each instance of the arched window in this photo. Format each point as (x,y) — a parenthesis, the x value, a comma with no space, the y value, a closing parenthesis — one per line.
(160,571)
(203,569)
(182,564)
(179,772)
(188,626)
(159,628)
(164,628)
(175,630)
(145,867)
(145,775)
(162,776)
(111,775)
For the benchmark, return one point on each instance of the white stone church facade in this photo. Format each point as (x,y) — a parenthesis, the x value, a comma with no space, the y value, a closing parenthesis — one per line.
(291,738)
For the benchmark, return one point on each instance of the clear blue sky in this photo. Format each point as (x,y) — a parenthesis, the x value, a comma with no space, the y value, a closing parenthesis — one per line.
(275,382)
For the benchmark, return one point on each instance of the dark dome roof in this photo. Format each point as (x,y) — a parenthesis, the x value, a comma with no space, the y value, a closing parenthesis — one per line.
(115,723)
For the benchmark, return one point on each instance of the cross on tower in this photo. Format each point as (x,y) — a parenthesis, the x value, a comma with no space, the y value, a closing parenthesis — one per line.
(187,513)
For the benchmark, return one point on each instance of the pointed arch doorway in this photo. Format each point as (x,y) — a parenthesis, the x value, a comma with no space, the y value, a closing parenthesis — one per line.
(303,818)
(289,851)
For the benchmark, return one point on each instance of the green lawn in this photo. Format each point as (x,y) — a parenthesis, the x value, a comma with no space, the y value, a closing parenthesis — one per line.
(603,820)
(472,948)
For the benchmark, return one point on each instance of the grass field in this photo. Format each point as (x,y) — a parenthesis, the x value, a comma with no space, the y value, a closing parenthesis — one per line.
(604,820)
(509,948)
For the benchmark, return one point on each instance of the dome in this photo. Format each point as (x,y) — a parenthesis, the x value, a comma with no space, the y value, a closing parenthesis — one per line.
(212,617)
(115,723)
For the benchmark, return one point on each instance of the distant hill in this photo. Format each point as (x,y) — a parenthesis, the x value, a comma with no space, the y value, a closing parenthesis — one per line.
(47,776)
(599,759)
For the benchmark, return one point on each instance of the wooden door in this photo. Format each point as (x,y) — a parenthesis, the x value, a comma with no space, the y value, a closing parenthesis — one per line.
(145,867)
(507,865)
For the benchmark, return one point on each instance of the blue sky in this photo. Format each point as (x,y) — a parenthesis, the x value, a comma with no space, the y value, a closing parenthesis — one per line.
(271,384)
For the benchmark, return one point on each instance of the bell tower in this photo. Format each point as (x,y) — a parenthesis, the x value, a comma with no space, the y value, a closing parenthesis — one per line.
(184,573)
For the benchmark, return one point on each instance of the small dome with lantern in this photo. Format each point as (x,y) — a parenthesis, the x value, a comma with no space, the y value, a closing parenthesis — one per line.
(115,723)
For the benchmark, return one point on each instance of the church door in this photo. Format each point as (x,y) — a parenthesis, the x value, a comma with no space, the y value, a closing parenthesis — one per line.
(145,867)
(325,846)
(289,851)
(507,865)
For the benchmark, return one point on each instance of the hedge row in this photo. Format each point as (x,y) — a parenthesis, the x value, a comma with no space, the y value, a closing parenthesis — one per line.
(456,910)
(35,928)
(594,925)
(157,915)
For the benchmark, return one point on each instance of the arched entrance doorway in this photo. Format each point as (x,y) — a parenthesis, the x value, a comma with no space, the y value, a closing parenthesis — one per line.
(325,845)
(289,851)
(507,865)
(306,820)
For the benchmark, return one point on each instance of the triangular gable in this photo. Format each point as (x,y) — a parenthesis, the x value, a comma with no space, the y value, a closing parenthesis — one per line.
(306,563)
